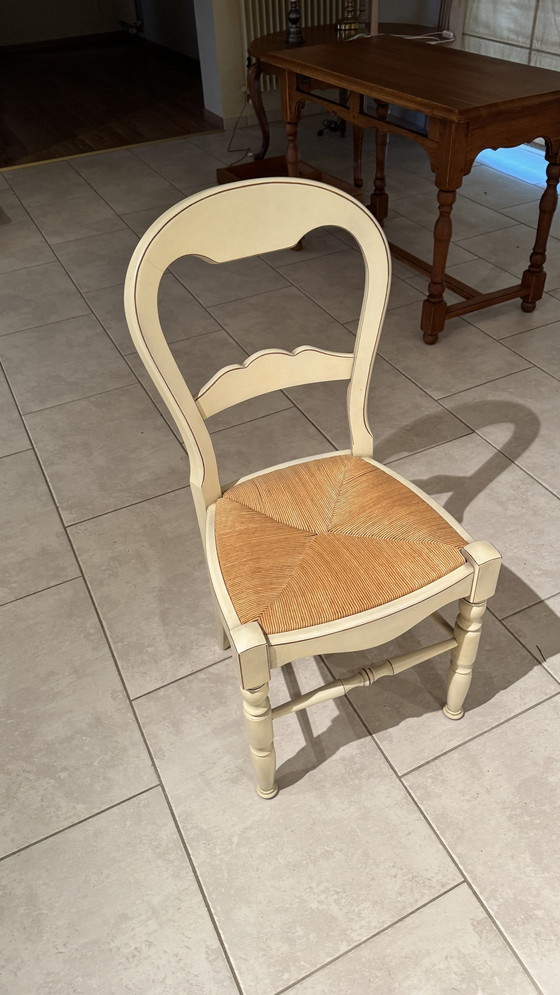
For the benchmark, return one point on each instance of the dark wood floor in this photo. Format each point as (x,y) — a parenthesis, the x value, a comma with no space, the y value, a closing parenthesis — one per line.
(59,102)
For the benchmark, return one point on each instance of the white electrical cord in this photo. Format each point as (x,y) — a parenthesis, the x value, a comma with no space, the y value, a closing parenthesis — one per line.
(435,37)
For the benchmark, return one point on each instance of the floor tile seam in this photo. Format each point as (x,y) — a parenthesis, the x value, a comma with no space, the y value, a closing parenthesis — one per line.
(484,732)
(81,397)
(41,590)
(130,149)
(78,822)
(492,380)
(271,414)
(151,757)
(541,660)
(312,259)
(184,338)
(477,896)
(232,300)
(506,338)
(169,141)
(29,217)
(125,507)
(17,452)
(188,854)
(64,241)
(519,611)
(436,834)
(47,324)
(372,936)
(177,680)
(94,189)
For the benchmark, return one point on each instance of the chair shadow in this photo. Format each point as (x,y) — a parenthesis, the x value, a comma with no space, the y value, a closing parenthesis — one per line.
(423,688)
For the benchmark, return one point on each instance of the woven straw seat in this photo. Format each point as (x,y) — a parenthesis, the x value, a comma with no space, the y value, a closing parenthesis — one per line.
(326,555)
(325,539)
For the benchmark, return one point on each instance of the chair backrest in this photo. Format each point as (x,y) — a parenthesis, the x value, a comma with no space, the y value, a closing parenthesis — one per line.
(232,222)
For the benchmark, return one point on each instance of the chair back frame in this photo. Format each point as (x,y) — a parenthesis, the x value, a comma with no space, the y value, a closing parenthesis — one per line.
(234,222)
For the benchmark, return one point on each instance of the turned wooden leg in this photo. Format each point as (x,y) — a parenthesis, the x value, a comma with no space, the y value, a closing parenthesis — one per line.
(533,279)
(434,308)
(292,152)
(379,204)
(467,633)
(258,725)
(254,88)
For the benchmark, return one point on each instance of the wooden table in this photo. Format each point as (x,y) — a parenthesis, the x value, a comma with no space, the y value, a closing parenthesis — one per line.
(472,102)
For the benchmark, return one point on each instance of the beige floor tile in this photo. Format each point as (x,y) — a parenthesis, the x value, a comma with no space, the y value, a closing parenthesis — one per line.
(420,241)
(21,242)
(77,748)
(512,247)
(490,496)
(484,276)
(35,550)
(126,182)
(507,319)
(335,282)
(50,182)
(277,438)
(319,242)
(497,190)
(145,567)
(540,346)
(402,293)
(405,960)
(520,415)
(75,216)
(29,296)
(221,282)
(13,437)
(538,628)
(467,217)
(282,319)
(341,852)
(179,161)
(181,316)
(61,362)
(496,803)
(528,214)
(105,452)
(404,712)
(198,359)
(403,418)
(110,906)
(462,358)
(99,260)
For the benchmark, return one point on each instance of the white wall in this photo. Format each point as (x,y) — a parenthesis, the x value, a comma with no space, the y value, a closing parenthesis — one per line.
(171,23)
(25,21)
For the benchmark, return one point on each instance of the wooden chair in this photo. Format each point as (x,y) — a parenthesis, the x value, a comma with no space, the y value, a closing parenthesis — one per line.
(324,554)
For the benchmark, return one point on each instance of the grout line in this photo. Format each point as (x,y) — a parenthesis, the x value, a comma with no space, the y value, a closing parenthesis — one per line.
(373,936)
(442,841)
(31,594)
(79,822)
(133,504)
(18,452)
(177,680)
(479,735)
(82,397)
(503,376)
(519,611)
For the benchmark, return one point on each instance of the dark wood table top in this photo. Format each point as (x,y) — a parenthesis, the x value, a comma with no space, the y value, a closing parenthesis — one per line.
(437,80)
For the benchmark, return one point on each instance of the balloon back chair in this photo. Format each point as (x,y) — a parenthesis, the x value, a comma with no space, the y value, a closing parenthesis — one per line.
(325,554)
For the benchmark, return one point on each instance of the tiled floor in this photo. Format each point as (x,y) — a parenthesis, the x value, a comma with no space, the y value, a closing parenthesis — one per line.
(405,854)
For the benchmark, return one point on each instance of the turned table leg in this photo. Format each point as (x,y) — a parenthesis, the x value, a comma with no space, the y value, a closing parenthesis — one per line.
(534,277)
(254,88)
(379,204)
(434,308)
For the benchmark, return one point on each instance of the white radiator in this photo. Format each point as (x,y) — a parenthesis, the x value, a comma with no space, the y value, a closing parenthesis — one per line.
(262,17)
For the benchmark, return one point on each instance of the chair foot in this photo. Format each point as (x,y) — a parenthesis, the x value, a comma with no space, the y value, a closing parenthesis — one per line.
(453,715)
(267,794)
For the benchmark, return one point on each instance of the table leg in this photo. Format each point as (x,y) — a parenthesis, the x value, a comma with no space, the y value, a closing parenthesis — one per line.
(534,277)
(435,307)
(379,203)
(358,144)
(254,88)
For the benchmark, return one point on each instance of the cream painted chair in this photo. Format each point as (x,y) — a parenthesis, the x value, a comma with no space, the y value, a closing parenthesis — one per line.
(328,554)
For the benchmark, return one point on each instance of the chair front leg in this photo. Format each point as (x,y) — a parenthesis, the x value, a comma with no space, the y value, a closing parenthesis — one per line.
(467,633)
(258,725)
